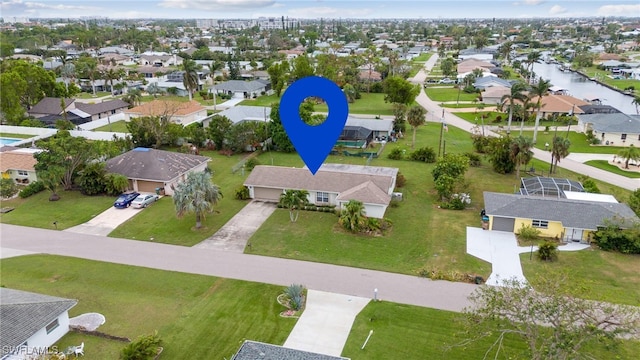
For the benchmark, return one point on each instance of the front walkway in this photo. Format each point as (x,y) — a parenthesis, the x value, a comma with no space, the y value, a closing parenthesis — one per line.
(500,248)
(234,235)
(325,323)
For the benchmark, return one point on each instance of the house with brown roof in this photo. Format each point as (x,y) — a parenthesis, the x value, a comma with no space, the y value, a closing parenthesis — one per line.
(469,65)
(333,184)
(49,110)
(559,104)
(19,165)
(178,112)
(149,169)
(50,106)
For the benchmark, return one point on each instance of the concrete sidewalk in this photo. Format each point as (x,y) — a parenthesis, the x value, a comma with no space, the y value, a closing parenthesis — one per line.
(325,323)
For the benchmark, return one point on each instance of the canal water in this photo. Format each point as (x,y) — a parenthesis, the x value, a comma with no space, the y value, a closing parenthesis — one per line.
(583,88)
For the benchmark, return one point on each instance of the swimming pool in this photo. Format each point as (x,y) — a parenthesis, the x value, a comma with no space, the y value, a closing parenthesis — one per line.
(8,141)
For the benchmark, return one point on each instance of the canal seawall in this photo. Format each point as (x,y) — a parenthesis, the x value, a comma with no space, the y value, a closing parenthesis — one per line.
(602,83)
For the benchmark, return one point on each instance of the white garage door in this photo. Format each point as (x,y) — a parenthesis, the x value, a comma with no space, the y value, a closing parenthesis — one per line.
(267,194)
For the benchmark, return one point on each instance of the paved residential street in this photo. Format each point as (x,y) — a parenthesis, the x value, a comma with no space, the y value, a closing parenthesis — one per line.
(398,288)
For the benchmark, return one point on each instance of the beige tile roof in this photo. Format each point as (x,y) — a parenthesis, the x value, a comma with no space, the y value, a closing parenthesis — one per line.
(496,91)
(16,161)
(162,107)
(470,64)
(560,104)
(339,182)
(367,193)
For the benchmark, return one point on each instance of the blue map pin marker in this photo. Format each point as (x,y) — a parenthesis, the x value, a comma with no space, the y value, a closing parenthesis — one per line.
(313,142)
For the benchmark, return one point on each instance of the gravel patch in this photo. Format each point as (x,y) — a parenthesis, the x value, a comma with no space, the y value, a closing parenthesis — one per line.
(88,321)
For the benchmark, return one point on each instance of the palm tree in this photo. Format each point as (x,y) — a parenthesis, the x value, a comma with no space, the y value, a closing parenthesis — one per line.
(197,194)
(539,90)
(133,97)
(628,154)
(213,67)
(352,216)
(636,102)
(415,118)
(517,93)
(559,150)
(520,152)
(293,200)
(110,75)
(532,58)
(67,72)
(190,78)
(505,51)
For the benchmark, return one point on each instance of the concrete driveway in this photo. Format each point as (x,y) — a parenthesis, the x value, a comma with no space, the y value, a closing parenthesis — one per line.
(235,234)
(105,222)
(500,248)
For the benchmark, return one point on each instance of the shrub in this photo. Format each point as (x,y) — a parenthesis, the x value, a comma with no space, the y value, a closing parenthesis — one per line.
(8,188)
(400,180)
(251,163)
(498,119)
(396,154)
(31,189)
(613,238)
(115,184)
(474,159)
(92,179)
(242,193)
(528,233)
(547,251)
(425,154)
(143,348)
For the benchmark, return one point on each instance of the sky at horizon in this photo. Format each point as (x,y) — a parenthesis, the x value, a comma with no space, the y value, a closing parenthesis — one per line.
(314,9)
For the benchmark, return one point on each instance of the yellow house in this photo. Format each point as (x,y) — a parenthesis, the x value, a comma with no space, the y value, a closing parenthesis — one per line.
(18,165)
(556,217)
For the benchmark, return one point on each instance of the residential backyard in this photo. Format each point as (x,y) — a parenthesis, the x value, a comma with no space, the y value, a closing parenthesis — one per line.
(369,103)
(579,143)
(118,126)
(449,93)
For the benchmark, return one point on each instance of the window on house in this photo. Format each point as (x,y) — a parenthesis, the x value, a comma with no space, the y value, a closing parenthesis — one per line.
(322,197)
(23,173)
(543,224)
(52,326)
(623,137)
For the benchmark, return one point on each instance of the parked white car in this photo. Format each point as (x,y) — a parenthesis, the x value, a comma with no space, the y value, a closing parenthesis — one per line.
(144,200)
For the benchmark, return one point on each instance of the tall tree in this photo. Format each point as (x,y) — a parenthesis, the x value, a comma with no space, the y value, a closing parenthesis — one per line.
(278,76)
(628,154)
(636,102)
(559,151)
(66,152)
(538,91)
(190,77)
(301,67)
(197,195)
(213,67)
(552,323)
(532,58)
(87,67)
(400,91)
(293,200)
(516,93)
(416,118)
(279,136)
(218,130)
(521,152)
(111,74)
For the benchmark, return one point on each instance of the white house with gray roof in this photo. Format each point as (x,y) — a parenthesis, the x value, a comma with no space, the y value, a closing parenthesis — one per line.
(379,127)
(31,322)
(241,113)
(333,184)
(616,129)
(244,89)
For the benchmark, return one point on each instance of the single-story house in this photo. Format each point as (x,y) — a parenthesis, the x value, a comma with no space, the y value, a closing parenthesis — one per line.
(31,322)
(148,169)
(160,60)
(116,50)
(493,95)
(333,184)
(568,219)
(617,129)
(486,82)
(240,113)
(559,104)
(19,164)
(253,350)
(178,112)
(50,106)
(468,65)
(103,109)
(379,127)
(150,71)
(243,89)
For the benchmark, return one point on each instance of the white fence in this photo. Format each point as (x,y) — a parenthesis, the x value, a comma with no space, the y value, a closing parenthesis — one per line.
(42,133)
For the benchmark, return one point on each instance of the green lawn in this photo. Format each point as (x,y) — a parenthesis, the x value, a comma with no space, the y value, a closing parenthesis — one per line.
(89,95)
(603,76)
(15,136)
(72,209)
(410,332)
(608,276)
(579,142)
(448,94)
(118,126)
(160,222)
(370,103)
(604,165)
(422,57)
(460,105)
(205,317)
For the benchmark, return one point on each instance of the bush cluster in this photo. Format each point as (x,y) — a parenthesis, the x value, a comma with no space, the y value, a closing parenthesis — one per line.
(31,189)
